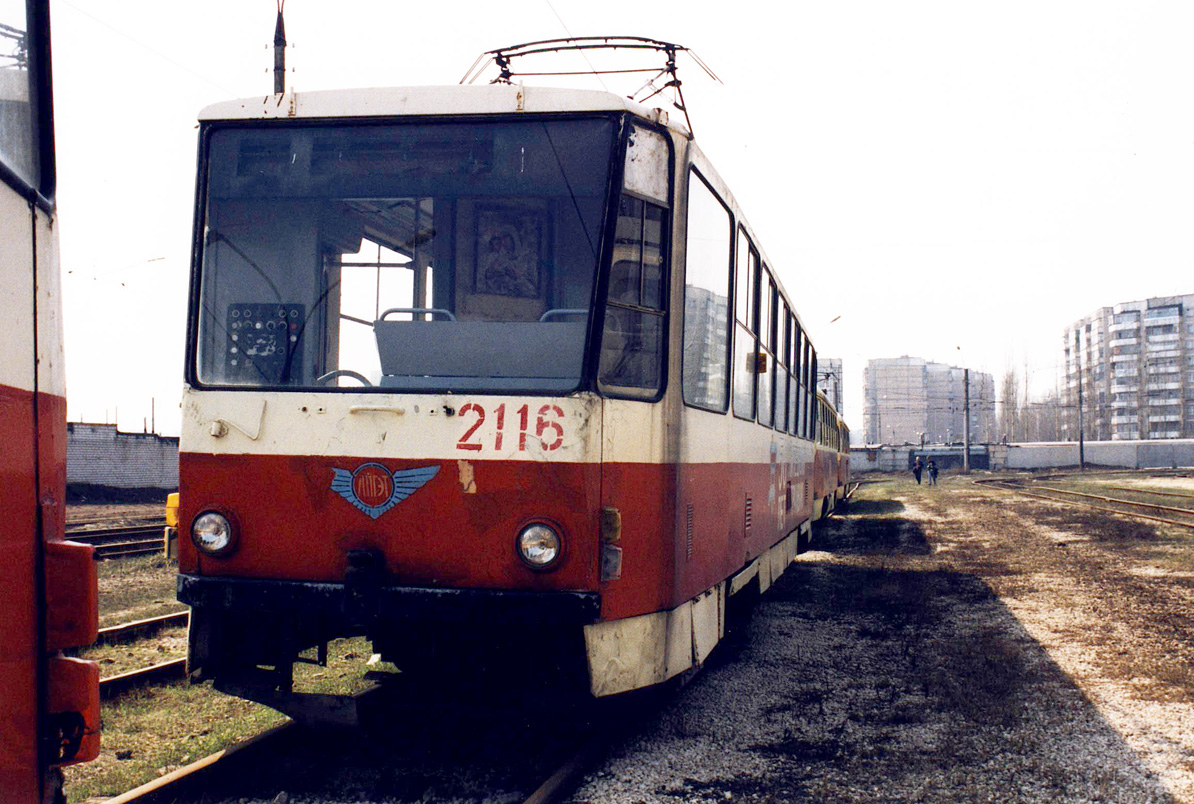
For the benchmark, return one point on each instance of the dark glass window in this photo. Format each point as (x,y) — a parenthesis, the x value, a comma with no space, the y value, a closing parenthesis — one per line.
(706,297)
(632,342)
(746,328)
(18,126)
(413,256)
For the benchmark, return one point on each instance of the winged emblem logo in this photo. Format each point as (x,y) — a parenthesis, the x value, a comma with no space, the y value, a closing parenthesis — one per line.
(374,489)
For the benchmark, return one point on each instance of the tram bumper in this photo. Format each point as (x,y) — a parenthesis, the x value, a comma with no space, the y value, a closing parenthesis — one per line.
(347,604)
(247,634)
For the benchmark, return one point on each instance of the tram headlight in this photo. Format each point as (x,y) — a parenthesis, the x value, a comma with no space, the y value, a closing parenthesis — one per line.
(213,534)
(540,546)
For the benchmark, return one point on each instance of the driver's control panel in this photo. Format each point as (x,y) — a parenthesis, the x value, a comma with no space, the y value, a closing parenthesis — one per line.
(263,342)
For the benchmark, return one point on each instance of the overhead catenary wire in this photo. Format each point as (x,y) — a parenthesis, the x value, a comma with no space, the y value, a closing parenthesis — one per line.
(148,48)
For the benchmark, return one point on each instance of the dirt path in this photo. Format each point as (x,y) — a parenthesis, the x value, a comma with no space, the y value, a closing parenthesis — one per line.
(951,644)
(1106,598)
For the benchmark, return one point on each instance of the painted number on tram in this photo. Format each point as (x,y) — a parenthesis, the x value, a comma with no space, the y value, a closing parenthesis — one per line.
(547,429)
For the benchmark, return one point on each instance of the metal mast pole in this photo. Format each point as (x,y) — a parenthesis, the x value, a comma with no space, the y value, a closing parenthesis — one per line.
(966,422)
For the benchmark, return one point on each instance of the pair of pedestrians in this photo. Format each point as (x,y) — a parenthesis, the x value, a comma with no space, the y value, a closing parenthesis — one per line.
(918,468)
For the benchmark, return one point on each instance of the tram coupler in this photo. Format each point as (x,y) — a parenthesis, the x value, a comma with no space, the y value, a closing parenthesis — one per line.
(363,580)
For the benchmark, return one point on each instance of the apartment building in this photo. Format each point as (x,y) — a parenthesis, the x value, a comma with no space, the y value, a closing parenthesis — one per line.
(1129,371)
(908,400)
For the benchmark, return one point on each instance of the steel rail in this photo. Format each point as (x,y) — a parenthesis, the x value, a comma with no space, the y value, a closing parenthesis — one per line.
(1119,501)
(119,633)
(123,532)
(563,781)
(114,685)
(130,549)
(1183,494)
(122,542)
(1019,489)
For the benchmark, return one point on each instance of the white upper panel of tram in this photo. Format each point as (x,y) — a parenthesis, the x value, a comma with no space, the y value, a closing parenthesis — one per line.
(431,101)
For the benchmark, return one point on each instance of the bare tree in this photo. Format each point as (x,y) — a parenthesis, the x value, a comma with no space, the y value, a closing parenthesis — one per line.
(1042,419)
(1010,427)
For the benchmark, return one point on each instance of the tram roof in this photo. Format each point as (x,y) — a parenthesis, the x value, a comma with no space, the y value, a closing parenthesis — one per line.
(429,101)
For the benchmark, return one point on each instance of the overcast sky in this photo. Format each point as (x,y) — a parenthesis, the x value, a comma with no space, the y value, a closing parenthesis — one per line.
(957,181)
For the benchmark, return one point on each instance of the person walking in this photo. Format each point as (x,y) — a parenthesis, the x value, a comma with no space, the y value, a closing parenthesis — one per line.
(917,468)
(932,472)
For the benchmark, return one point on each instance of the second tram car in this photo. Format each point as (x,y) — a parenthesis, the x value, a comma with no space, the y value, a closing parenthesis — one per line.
(483,373)
(48,592)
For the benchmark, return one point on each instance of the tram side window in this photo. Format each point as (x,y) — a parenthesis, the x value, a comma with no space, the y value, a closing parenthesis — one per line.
(812,382)
(765,364)
(783,373)
(746,314)
(633,338)
(18,129)
(797,423)
(706,297)
(806,395)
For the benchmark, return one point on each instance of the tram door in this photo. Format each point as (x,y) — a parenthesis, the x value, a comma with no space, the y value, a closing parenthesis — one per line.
(47,585)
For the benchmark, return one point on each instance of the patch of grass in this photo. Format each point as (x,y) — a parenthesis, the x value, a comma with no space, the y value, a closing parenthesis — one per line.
(152,731)
(1088,523)
(167,644)
(864,505)
(136,588)
(155,730)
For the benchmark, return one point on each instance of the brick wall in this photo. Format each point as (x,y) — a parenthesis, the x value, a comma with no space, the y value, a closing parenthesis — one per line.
(98,455)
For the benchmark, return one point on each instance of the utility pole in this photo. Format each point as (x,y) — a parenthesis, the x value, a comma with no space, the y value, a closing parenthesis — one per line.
(1081,434)
(280,52)
(966,421)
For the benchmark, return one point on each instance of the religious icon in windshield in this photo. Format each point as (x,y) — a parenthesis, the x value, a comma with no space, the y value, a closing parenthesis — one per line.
(510,245)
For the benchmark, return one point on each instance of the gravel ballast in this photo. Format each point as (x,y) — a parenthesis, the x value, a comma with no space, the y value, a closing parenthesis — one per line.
(938,646)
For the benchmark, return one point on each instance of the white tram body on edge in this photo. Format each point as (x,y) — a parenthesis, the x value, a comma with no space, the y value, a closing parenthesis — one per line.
(48,589)
(472,368)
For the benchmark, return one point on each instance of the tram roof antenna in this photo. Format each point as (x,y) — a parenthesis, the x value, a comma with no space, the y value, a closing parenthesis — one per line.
(503,58)
(280,52)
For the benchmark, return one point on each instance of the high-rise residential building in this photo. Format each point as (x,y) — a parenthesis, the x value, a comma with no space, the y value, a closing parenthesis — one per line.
(829,380)
(1129,369)
(911,401)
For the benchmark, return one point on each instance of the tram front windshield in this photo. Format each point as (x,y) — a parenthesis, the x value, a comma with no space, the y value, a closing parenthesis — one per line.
(423,257)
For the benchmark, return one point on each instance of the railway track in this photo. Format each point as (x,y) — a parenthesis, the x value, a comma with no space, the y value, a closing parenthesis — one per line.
(113,686)
(220,776)
(139,628)
(1152,512)
(122,542)
(171,670)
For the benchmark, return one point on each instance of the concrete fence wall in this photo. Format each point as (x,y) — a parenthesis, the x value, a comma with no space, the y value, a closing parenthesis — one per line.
(1167,454)
(1156,454)
(98,455)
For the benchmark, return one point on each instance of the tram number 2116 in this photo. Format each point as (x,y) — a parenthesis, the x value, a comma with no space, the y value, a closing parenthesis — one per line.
(548,429)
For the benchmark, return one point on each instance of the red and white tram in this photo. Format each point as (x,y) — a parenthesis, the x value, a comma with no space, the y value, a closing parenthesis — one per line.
(48,600)
(483,373)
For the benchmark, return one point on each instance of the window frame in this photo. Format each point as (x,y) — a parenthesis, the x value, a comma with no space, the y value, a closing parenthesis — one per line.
(41,191)
(728,355)
(591,373)
(610,391)
(604,235)
(748,270)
